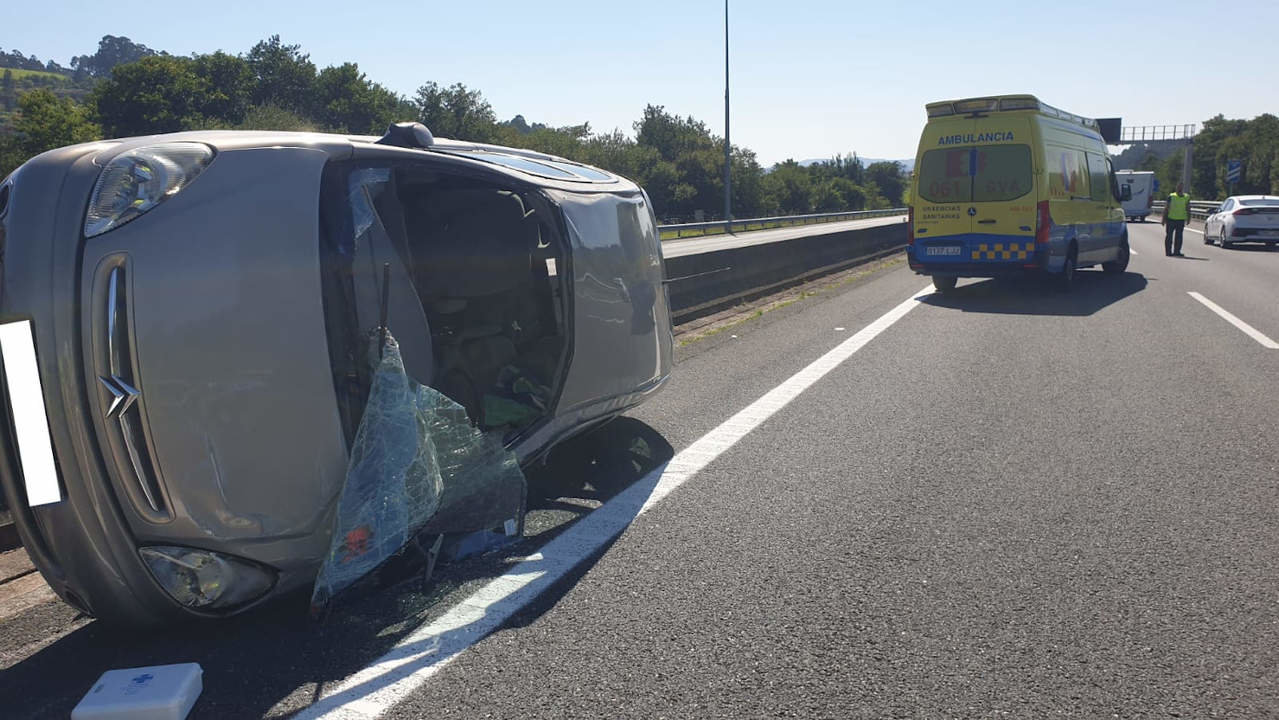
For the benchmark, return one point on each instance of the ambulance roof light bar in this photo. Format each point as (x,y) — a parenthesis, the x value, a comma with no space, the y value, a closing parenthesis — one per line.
(1004,103)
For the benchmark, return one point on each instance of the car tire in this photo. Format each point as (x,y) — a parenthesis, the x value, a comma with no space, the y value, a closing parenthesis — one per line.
(944,284)
(1066,279)
(1225,244)
(1119,264)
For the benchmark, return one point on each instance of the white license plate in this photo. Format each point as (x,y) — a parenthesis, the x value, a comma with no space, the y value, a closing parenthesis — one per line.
(30,421)
(942,250)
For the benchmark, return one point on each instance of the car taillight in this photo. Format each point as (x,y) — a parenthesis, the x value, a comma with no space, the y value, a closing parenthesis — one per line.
(1043,224)
(1243,211)
(910,225)
(1150,200)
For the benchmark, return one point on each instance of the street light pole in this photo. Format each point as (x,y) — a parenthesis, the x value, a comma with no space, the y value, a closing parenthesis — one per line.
(728,157)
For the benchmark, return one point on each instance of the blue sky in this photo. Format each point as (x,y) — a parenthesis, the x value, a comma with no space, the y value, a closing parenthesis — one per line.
(810,78)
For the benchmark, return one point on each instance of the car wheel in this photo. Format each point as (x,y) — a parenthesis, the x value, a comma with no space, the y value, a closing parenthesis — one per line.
(1120,263)
(944,284)
(1225,244)
(1067,277)
(1207,237)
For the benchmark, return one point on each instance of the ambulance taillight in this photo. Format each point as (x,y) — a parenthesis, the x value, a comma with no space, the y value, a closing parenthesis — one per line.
(1043,225)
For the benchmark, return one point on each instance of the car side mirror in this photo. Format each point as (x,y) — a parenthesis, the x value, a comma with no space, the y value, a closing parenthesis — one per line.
(1125,193)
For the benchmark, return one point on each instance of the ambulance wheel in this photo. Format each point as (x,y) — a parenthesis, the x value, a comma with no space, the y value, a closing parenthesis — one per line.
(1067,277)
(1119,264)
(944,284)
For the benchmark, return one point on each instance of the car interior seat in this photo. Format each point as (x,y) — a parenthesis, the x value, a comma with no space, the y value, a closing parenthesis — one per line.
(472,265)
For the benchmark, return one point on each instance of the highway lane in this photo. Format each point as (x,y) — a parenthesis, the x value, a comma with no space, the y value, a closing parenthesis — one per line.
(1243,279)
(693,246)
(1010,500)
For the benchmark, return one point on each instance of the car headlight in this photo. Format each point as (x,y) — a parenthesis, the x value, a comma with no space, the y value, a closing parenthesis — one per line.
(138,180)
(206,580)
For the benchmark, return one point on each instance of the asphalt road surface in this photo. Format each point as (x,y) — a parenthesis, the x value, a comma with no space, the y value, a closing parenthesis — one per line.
(1002,501)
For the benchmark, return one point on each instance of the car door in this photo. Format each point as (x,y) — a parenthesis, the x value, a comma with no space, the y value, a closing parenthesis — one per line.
(943,196)
(1219,219)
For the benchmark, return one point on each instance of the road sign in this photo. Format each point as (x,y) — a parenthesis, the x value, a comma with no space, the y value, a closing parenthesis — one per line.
(1234,171)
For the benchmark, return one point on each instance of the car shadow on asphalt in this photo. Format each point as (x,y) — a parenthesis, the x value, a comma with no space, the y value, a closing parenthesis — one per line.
(278,659)
(1093,290)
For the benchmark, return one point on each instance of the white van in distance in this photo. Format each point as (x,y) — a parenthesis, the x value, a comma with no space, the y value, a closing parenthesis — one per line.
(1144,185)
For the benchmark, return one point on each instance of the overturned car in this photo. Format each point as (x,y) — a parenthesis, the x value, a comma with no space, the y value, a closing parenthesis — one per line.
(193,327)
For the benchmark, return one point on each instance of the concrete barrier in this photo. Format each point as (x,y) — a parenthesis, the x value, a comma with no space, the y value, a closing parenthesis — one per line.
(704,283)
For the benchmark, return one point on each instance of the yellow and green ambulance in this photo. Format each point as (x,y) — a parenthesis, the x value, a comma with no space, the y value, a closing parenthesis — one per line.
(1008,184)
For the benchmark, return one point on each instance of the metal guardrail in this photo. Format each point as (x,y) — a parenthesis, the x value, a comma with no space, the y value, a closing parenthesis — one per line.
(1199,209)
(764,223)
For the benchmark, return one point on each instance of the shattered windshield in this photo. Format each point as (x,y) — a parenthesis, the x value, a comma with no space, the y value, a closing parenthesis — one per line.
(417,464)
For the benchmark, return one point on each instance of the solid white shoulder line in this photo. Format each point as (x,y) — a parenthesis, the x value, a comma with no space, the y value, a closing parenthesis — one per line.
(1248,330)
(392,677)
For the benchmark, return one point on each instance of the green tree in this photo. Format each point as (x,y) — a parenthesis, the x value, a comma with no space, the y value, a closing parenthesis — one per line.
(455,112)
(344,99)
(274,117)
(888,177)
(673,137)
(790,188)
(152,95)
(46,121)
(228,86)
(8,93)
(112,51)
(284,75)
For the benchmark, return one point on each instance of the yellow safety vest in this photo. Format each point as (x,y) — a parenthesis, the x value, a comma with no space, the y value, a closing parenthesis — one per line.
(1178,206)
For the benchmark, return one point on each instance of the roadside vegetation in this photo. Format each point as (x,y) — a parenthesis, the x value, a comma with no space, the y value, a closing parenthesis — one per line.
(126,88)
(1255,142)
(129,89)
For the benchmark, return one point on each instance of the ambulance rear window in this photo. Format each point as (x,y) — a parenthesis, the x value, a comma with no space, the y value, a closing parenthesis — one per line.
(987,173)
(1003,173)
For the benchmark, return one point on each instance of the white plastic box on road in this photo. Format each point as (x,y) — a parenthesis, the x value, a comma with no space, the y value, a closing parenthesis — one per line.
(158,692)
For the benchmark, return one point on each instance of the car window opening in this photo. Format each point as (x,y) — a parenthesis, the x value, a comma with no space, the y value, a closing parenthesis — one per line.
(472,301)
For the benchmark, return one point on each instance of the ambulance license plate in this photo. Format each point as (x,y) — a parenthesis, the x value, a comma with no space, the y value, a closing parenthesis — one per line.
(942,250)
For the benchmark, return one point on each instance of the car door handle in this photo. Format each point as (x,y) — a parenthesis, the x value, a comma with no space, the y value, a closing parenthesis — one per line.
(987,222)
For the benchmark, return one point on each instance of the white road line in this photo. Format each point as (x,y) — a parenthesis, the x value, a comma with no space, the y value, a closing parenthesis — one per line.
(1134,252)
(414,659)
(1248,330)
(1201,232)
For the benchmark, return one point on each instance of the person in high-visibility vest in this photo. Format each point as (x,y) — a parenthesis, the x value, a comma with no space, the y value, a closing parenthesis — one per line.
(1176,214)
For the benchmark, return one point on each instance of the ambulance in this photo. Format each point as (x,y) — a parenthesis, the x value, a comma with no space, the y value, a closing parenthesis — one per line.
(1010,185)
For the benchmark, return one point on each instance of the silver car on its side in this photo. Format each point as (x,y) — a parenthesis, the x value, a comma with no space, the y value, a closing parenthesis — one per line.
(183,321)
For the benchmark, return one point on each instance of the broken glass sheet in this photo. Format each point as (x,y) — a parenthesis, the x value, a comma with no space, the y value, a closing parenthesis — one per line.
(417,465)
